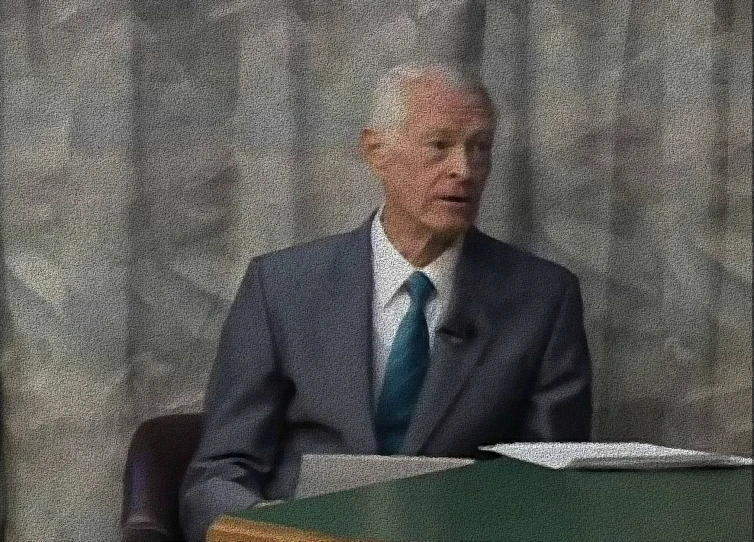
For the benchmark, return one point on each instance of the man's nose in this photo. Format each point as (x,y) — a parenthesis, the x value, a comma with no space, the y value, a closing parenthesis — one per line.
(459,166)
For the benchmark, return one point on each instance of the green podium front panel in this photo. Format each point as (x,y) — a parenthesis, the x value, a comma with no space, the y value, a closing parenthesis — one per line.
(505,499)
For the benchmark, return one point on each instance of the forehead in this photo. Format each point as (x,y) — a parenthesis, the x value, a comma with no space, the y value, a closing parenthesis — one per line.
(434,105)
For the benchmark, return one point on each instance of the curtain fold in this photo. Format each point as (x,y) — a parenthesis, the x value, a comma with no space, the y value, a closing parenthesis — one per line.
(149,149)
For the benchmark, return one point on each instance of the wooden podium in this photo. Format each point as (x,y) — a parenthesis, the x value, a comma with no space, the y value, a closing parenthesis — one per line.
(231,529)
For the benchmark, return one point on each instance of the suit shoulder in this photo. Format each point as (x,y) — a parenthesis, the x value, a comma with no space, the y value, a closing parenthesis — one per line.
(504,255)
(310,251)
(307,264)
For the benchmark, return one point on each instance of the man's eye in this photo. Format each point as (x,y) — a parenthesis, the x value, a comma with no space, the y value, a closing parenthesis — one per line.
(439,144)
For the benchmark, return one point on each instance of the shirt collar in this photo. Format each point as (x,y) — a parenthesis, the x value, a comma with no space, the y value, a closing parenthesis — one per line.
(391,269)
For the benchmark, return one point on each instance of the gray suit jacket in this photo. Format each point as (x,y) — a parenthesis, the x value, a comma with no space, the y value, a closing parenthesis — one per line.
(293,373)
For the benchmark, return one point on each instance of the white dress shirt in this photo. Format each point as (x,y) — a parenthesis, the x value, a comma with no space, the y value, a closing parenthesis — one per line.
(391,300)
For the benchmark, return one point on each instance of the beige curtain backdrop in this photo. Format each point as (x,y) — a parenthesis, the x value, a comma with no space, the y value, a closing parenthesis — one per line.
(149,148)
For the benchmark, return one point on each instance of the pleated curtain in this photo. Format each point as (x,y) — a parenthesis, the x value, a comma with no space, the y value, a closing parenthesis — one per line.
(149,149)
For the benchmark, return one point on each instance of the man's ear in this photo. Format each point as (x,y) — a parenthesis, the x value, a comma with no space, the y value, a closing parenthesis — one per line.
(373,145)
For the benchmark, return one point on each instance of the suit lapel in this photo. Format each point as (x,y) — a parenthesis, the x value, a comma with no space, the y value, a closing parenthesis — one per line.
(351,368)
(458,346)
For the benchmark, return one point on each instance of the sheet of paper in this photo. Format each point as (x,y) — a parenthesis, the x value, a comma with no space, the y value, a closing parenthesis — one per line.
(612,455)
(326,473)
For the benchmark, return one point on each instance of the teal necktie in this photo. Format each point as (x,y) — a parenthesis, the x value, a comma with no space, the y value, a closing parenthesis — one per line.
(406,367)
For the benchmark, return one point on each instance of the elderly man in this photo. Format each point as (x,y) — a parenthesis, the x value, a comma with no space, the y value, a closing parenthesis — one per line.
(413,334)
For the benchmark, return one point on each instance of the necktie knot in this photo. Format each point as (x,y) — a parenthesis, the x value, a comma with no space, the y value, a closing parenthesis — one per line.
(419,288)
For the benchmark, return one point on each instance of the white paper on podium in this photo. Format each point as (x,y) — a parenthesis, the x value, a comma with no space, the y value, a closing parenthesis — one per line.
(326,473)
(612,455)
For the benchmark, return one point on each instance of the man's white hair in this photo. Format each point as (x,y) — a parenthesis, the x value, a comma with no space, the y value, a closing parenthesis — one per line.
(389,106)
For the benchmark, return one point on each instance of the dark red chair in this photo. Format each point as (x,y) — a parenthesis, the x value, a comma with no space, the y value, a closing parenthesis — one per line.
(160,451)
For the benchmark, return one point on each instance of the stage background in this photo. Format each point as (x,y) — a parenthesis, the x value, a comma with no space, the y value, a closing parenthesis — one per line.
(149,148)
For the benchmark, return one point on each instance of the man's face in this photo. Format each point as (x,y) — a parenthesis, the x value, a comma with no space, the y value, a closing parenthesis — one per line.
(435,168)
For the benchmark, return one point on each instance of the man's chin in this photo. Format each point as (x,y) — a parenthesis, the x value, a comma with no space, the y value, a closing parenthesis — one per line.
(450,229)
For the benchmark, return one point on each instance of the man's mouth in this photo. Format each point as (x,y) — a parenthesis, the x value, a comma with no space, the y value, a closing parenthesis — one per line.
(456,199)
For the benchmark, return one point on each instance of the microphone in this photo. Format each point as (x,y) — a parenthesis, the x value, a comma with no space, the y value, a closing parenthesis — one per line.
(458,332)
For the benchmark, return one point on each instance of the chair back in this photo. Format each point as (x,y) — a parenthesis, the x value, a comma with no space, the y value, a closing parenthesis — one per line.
(160,452)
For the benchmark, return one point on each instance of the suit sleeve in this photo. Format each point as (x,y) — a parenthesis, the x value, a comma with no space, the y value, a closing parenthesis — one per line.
(244,407)
(560,408)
